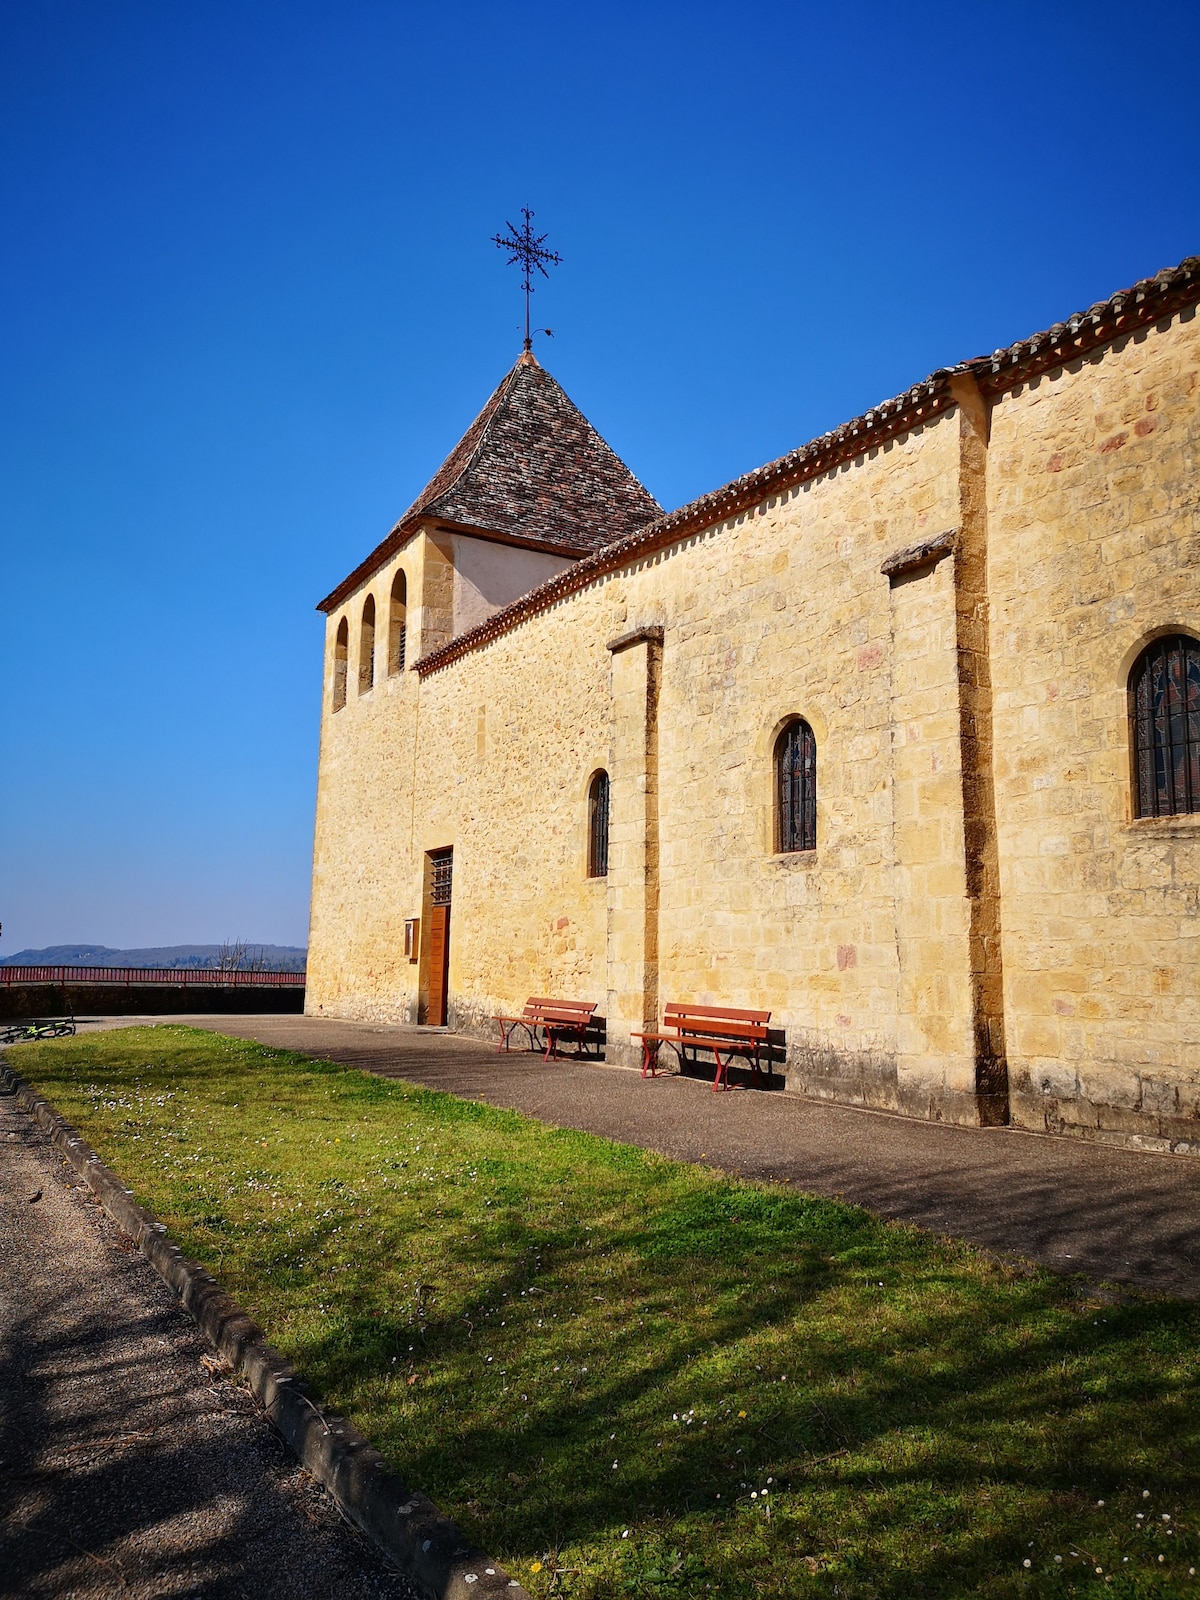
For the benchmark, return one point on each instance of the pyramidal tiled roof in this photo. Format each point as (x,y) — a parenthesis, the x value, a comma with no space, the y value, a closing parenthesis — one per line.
(530,469)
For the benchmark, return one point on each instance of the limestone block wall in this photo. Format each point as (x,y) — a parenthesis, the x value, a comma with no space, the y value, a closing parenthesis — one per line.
(363,826)
(983,921)
(1094,517)
(378,757)
(509,746)
(496,768)
(786,613)
(782,612)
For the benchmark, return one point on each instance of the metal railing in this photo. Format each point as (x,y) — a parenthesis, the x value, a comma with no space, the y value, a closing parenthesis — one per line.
(189,977)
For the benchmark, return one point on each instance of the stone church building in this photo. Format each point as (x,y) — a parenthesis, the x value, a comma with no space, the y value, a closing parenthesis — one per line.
(897,737)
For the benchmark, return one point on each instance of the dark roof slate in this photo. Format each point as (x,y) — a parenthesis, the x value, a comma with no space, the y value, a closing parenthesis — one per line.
(530,469)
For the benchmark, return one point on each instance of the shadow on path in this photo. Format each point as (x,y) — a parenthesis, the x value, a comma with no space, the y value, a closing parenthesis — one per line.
(127,1468)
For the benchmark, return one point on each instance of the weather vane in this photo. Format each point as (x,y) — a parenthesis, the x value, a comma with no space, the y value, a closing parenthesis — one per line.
(525,248)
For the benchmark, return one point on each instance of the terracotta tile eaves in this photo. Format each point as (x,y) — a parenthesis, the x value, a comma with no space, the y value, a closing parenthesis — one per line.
(382,552)
(1148,301)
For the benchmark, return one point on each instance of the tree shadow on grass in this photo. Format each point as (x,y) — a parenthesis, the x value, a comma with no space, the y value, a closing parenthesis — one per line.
(922,1414)
(934,1415)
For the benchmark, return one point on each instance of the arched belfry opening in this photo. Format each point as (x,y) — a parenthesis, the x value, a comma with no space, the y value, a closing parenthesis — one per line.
(397,623)
(341,653)
(366,647)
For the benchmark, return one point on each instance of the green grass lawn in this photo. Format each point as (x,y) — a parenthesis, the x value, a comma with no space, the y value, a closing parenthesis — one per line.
(625,1375)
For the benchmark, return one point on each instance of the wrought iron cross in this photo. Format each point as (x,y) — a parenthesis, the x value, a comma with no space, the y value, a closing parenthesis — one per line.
(525,248)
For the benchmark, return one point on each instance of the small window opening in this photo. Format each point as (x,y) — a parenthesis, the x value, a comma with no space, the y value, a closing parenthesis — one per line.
(598,826)
(366,647)
(796,787)
(1164,715)
(341,651)
(397,619)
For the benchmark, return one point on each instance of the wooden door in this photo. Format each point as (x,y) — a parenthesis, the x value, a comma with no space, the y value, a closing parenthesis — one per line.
(439,964)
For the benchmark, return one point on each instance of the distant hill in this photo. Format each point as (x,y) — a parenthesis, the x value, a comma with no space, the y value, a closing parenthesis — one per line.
(278,957)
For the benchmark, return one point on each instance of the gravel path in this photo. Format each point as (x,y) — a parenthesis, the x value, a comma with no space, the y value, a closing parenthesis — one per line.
(1114,1214)
(127,1467)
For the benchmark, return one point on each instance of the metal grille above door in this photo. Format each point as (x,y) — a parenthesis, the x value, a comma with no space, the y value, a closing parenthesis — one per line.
(442,862)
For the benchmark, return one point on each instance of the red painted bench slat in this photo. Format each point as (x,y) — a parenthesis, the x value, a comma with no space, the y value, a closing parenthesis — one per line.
(724,1030)
(554,1017)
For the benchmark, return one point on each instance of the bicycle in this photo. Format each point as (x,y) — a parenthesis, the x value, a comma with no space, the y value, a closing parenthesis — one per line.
(23,1032)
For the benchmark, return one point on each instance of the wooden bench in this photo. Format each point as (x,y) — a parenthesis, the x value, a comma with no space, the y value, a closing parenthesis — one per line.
(553,1017)
(726,1031)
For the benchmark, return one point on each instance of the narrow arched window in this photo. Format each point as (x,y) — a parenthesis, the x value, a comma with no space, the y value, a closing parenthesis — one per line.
(366,646)
(598,826)
(1164,716)
(341,652)
(397,619)
(796,787)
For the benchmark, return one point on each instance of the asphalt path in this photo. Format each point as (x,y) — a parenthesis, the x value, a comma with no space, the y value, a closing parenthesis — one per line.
(128,1465)
(1115,1215)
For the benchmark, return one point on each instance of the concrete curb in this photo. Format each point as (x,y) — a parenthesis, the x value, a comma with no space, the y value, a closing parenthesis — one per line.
(401,1522)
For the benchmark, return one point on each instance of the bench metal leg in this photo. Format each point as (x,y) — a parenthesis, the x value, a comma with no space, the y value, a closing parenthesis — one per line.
(553,1032)
(551,1043)
(506,1034)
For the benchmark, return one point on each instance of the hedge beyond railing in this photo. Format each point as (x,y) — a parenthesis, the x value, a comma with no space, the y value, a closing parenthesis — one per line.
(189,977)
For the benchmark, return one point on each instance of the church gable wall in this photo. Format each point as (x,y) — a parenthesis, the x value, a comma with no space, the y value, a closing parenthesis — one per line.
(1094,526)
(489,576)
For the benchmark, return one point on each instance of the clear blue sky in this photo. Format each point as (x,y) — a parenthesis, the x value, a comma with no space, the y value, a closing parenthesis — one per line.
(249,302)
